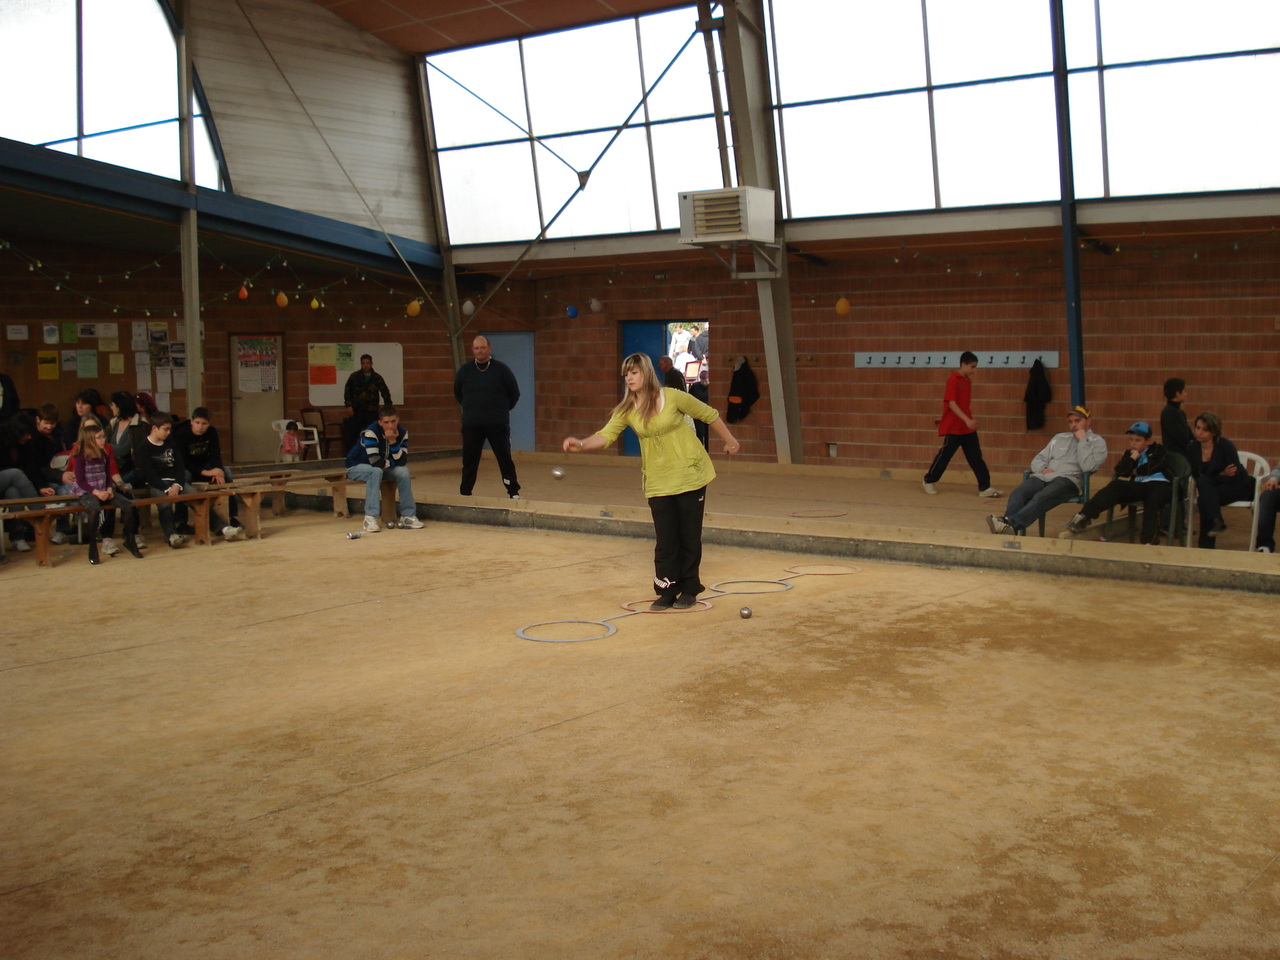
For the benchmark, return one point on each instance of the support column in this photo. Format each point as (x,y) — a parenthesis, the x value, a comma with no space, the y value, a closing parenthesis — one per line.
(1067,205)
(746,68)
(188,233)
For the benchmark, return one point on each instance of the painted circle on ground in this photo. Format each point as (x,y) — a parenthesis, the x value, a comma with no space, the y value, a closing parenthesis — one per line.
(609,630)
(778,584)
(818,514)
(822,569)
(629,606)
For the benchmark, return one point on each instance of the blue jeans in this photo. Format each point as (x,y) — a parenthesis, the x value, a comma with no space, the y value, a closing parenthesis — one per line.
(1033,498)
(373,477)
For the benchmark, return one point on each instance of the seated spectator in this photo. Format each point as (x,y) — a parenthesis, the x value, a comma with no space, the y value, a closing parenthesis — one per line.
(87,403)
(197,441)
(381,452)
(45,446)
(1140,478)
(125,431)
(670,376)
(1057,475)
(98,482)
(18,481)
(291,443)
(146,405)
(1267,504)
(160,467)
(1220,477)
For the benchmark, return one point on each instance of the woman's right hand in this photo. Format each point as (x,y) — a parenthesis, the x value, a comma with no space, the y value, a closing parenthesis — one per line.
(572,445)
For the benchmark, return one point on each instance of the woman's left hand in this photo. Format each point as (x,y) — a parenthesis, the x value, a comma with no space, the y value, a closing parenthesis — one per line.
(1229,470)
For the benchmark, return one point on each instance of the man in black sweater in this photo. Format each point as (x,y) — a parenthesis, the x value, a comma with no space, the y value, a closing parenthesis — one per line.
(487,391)
(1175,431)
(197,441)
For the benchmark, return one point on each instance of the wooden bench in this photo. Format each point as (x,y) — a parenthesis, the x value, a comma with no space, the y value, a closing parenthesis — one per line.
(42,518)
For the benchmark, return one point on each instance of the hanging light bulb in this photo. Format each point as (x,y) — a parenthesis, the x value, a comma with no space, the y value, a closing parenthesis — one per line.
(843,306)
(571,311)
(315,304)
(468,308)
(243,294)
(595,304)
(413,308)
(282,299)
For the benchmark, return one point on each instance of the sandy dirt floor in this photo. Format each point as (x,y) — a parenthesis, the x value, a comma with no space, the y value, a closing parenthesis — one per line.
(309,747)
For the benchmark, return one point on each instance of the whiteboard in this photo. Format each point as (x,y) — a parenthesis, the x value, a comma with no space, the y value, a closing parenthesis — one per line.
(388,360)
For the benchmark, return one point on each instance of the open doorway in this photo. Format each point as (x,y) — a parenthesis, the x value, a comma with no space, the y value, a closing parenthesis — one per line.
(688,346)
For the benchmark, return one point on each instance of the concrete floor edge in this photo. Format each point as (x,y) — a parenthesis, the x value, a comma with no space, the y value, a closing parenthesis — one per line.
(851,548)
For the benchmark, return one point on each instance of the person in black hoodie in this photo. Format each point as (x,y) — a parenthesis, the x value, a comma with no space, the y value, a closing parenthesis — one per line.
(197,441)
(487,391)
(1140,478)
(160,466)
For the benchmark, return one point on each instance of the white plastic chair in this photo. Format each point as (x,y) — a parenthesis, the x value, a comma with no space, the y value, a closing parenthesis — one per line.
(280,426)
(1258,469)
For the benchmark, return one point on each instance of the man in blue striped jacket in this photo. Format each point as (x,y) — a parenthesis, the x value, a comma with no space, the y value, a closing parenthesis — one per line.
(381,452)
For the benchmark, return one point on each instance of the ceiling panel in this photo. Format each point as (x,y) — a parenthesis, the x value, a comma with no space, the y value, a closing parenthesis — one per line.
(429,26)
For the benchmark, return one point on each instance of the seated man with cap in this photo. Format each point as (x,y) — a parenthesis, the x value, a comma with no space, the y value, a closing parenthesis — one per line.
(1140,478)
(1057,475)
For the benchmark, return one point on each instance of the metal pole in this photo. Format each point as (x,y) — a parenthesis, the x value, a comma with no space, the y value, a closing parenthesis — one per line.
(189,234)
(1070,234)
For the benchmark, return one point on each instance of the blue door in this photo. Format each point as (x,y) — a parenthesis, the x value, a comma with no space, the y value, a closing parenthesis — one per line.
(516,351)
(641,336)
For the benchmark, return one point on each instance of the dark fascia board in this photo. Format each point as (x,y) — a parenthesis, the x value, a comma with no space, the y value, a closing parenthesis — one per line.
(61,176)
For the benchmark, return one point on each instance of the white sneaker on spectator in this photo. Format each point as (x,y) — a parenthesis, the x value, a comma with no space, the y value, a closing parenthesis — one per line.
(58,538)
(110,547)
(1264,549)
(929,488)
(140,541)
(22,546)
(371,525)
(989,492)
(230,532)
(411,523)
(177,540)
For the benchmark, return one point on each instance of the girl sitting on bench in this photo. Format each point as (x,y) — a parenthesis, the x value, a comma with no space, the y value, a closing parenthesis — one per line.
(97,482)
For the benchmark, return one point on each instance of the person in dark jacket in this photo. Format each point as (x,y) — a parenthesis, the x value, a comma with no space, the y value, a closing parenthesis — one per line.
(197,441)
(382,453)
(1219,475)
(1175,432)
(1140,478)
(487,391)
(361,395)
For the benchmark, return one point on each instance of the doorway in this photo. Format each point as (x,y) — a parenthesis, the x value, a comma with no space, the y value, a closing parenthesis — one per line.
(257,375)
(516,351)
(641,336)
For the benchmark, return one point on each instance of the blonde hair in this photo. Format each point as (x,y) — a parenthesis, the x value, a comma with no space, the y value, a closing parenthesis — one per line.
(644,401)
(89,426)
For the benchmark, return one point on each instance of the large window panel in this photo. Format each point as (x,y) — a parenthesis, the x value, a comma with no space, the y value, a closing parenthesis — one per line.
(494,87)
(685,91)
(149,149)
(981,39)
(1195,126)
(1156,29)
(1086,134)
(835,48)
(1081,33)
(859,156)
(618,197)
(583,79)
(130,71)
(997,143)
(686,156)
(38,70)
(489,194)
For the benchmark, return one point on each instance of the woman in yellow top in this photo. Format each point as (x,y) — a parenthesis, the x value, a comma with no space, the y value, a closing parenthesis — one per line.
(675,470)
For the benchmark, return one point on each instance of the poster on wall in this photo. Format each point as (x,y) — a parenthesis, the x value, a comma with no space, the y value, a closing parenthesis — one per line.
(47,364)
(51,333)
(258,364)
(16,331)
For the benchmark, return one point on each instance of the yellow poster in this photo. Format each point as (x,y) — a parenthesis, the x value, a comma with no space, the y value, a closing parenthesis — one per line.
(117,363)
(47,364)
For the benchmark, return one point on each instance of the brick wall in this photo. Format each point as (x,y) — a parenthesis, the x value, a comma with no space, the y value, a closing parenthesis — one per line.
(1206,310)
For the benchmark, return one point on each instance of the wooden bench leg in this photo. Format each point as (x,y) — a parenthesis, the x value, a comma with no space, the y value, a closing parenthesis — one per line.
(251,515)
(340,499)
(43,527)
(277,499)
(201,510)
(389,492)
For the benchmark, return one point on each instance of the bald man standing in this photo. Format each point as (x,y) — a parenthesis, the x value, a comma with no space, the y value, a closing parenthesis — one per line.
(487,391)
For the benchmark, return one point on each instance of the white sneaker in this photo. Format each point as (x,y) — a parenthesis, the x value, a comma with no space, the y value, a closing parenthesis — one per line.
(1264,549)
(411,523)
(516,496)
(22,546)
(371,525)
(110,547)
(58,538)
(140,541)
(177,540)
(929,489)
(989,492)
(230,532)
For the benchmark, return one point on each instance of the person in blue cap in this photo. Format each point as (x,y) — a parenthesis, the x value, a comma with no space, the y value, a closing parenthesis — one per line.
(1140,478)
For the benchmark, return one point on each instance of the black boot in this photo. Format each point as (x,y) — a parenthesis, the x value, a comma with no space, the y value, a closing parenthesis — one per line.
(91,529)
(130,532)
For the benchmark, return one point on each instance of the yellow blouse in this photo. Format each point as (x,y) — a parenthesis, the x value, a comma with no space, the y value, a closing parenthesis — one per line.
(672,458)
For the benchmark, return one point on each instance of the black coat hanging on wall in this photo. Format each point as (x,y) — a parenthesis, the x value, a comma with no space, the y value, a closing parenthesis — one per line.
(1038,395)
